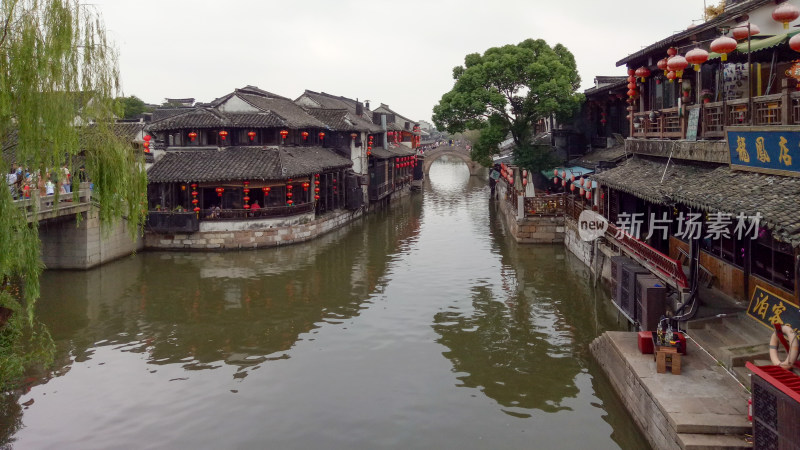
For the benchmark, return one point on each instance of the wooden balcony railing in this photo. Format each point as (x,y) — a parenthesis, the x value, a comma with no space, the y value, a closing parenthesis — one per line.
(767,110)
(654,259)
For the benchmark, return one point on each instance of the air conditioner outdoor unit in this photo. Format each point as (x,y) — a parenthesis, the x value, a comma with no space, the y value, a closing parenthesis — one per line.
(624,271)
(651,295)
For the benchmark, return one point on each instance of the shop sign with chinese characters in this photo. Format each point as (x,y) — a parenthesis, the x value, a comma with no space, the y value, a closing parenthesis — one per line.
(774,150)
(770,309)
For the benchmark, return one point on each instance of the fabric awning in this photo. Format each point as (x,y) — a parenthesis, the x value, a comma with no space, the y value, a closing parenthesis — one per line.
(759,44)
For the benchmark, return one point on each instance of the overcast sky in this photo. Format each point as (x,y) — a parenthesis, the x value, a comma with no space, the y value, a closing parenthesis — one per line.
(400,53)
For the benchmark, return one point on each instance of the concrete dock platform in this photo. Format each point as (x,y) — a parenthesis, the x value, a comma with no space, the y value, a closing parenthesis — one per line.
(702,408)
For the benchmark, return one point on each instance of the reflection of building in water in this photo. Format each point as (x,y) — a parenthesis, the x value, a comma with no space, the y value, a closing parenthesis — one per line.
(243,308)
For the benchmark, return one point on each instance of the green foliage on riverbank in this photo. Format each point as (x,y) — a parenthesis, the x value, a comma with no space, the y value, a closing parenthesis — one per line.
(506,92)
(58,82)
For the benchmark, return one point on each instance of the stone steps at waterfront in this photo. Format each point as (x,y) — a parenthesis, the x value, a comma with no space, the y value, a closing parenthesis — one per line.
(732,340)
(713,442)
(703,408)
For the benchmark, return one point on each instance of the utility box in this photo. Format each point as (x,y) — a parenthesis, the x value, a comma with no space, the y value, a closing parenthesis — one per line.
(651,296)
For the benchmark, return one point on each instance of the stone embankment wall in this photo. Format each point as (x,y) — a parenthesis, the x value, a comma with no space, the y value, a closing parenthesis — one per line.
(644,410)
(66,245)
(595,254)
(529,230)
(249,234)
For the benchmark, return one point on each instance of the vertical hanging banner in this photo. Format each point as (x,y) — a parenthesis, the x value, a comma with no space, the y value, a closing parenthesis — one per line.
(772,150)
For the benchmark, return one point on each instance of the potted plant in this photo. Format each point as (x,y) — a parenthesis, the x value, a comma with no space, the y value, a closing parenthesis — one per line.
(706,94)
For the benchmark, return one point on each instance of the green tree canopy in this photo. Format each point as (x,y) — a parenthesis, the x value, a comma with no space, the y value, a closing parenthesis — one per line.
(130,107)
(58,80)
(507,90)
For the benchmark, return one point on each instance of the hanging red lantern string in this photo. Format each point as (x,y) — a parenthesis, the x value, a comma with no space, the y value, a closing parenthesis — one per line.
(223,134)
(723,45)
(265,190)
(251,135)
(220,191)
(321,136)
(662,64)
(743,30)
(785,13)
(677,63)
(305,135)
(284,134)
(696,57)
(192,135)
(672,51)
(642,72)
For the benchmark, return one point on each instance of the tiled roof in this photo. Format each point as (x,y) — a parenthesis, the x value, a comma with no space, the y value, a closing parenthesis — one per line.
(343,120)
(204,117)
(328,101)
(399,120)
(593,159)
(605,86)
(128,130)
(243,163)
(713,189)
(731,12)
(294,115)
(165,113)
(380,153)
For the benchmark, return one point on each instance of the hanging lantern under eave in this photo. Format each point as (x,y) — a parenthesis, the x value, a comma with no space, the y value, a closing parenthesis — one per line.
(321,135)
(196,209)
(582,191)
(662,64)
(631,79)
(631,72)
(284,133)
(353,136)
(743,30)
(794,43)
(305,135)
(564,182)
(223,134)
(785,13)
(265,190)
(195,201)
(192,135)
(316,190)
(696,57)
(677,63)
(672,51)
(643,72)
(671,75)
(246,198)
(251,135)
(555,180)
(555,172)
(723,45)
(631,93)
(220,191)
(632,85)
(588,195)
(563,174)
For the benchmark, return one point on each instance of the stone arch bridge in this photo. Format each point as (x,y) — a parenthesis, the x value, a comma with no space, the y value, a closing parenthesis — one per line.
(455,151)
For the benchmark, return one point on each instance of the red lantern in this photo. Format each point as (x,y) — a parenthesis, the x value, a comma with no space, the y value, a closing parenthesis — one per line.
(391,133)
(147,138)
(785,13)
(321,135)
(555,172)
(316,175)
(194,186)
(289,194)
(742,30)
(572,187)
(677,63)
(197,209)
(266,190)
(195,201)
(642,72)
(223,134)
(284,133)
(246,198)
(305,135)
(794,43)
(564,182)
(631,93)
(194,193)
(631,85)
(631,72)
(289,187)
(220,191)
(723,45)
(192,135)
(246,206)
(316,197)
(582,191)
(588,195)
(662,64)
(290,202)
(316,189)
(671,75)
(246,183)
(251,135)
(316,182)
(555,180)
(697,56)
(672,51)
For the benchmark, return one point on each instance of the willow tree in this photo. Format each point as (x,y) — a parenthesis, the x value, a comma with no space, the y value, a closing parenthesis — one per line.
(506,92)
(58,79)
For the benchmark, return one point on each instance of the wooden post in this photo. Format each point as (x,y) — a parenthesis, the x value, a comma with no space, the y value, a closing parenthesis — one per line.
(786,102)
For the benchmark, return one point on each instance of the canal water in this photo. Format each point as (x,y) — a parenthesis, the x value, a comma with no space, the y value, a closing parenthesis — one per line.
(424,326)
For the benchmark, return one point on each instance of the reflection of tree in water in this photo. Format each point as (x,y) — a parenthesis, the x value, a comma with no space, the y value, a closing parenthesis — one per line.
(10,418)
(509,357)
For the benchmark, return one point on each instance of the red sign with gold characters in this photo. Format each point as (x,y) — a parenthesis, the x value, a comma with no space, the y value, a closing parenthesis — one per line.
(794,72)
(769,308)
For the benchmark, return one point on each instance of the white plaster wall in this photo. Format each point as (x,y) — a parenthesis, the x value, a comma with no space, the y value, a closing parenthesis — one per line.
(236,104)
